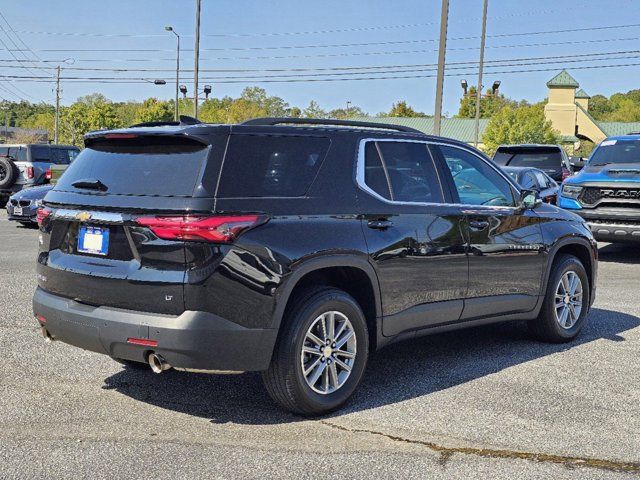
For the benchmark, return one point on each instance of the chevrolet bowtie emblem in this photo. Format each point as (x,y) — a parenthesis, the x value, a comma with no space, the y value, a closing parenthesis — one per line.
(83,216)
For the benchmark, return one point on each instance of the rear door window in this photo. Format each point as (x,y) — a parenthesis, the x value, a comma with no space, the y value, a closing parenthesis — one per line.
(271,165)
(158,167)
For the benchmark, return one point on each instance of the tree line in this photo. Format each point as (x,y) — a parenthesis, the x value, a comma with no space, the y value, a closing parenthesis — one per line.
(96,112)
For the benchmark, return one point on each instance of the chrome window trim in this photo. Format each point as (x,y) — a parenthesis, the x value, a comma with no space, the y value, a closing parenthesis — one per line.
(360,171)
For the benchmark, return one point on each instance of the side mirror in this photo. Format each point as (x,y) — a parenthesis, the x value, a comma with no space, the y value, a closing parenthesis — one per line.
(529,200)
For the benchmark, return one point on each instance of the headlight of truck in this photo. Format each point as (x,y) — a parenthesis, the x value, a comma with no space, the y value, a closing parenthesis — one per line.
(571,191)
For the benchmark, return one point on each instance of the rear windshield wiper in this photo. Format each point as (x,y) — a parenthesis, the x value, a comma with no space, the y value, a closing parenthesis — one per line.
(90,184)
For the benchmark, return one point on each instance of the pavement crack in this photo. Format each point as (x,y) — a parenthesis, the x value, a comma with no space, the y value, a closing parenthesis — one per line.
(446,452)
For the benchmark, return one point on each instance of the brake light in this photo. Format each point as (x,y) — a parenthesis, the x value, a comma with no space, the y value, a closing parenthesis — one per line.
(42,214)
(30,173)
(565,173)
(120,135)
(47,174)
(221,229)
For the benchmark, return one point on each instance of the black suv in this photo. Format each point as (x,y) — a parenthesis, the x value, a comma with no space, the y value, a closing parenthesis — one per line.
(296,248)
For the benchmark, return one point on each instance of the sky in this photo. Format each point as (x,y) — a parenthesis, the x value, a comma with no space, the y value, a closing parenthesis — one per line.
(400,36)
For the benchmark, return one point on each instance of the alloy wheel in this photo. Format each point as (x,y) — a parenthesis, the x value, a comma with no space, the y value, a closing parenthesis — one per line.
(568,300)
(328,352)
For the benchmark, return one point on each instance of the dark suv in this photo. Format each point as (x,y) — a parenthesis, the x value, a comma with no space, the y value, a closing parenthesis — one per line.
(551,159)
(296,250)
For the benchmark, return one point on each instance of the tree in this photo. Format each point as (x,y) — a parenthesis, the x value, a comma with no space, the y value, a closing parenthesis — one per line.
(343,113)
(401,109)
(314,111)
(525,124)
(154,110)
(102,116)
(489,104)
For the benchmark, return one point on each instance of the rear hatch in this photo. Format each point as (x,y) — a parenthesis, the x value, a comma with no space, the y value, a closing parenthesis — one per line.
(547,159)
(95,245)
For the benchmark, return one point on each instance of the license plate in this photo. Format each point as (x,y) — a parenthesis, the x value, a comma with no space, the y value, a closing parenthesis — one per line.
(94,240)
(17,211)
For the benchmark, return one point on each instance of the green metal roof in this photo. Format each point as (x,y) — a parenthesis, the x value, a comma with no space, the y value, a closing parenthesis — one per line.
(462,129)
(582,94)
(563,79)
(612,129)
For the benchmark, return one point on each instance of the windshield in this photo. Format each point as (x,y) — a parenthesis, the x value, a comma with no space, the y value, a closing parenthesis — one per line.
(616,151)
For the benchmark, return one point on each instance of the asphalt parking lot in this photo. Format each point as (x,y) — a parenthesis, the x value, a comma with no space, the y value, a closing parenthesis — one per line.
(481,403)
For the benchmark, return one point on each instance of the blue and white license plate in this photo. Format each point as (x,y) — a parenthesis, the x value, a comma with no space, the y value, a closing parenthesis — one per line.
(94,240)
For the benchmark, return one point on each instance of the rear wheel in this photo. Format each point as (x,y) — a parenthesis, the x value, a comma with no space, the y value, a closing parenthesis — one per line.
(8,173)
(566,302)
(321,354)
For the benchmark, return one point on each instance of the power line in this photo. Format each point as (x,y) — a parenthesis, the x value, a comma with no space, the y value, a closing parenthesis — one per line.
(321,69)
(105,80)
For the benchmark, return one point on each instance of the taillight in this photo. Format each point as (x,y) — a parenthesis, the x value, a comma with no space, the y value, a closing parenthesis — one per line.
(30,173)
(42,214)
(47,174)
(565,173)
(221,229)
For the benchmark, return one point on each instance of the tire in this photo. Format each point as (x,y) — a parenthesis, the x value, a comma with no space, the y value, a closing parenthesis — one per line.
(132,364)
(8,173)
(547,327)
(285,380)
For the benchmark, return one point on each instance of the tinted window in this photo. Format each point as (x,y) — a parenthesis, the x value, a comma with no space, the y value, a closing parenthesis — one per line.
(271,166)
(527,180)
(374,175)
(60,156)
(73,153)
(539,157)
(411,172)
(40,153)
(19,153)
(151,167)
(616,151)
(4,151)
(475,181)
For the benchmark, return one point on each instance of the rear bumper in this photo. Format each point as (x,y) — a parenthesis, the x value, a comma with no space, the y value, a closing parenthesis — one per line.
(192,340)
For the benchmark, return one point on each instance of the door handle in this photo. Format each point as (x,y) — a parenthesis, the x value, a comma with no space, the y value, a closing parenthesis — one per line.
(478,224)
(379,224)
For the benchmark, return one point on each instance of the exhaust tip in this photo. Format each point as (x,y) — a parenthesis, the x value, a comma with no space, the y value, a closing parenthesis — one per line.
(157,363)
(47,336)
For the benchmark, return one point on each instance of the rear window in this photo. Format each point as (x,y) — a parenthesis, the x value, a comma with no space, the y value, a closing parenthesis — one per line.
(159,167)
(535,158)
(40,153)
(271,166)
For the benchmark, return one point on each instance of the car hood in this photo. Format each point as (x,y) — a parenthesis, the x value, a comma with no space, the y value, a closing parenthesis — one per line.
(33,193)
(614,172)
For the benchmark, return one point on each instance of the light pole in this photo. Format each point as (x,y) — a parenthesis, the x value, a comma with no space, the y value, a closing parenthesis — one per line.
(169,28)
(480,66)
(196,61)
(442,50)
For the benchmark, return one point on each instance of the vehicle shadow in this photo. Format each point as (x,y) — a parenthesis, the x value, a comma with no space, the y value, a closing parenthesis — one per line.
(403,371)
(619,253)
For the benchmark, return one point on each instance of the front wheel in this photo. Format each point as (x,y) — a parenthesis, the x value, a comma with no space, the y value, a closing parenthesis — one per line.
(321,354)
(566,302)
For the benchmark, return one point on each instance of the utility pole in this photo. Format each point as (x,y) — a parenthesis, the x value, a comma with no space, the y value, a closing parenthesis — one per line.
(480,66)
(169,28)
(196,61)
(57,123)
(442,50)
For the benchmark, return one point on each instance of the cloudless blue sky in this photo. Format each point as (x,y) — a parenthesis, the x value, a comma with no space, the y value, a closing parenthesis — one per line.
(225,21)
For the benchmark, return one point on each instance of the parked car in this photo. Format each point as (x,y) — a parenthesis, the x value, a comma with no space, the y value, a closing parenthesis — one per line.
(22,206)
(551,159)
(606,193)
(24,166)
(534,179)
(296,247)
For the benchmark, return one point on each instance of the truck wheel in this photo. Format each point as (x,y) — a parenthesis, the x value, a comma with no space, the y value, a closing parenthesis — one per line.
(8,173)
(566,302)
(321,353)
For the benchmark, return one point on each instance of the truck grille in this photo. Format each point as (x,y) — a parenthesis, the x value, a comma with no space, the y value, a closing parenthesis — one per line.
(590,195)
(623,197)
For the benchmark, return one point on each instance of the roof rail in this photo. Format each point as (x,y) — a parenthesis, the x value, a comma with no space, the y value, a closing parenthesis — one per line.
(184,120)
(322,121)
